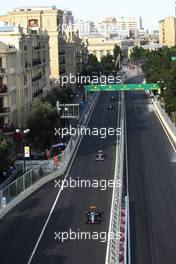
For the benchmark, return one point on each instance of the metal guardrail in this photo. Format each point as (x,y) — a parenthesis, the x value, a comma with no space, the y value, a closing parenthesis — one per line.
(113,250)
(47,167)
(171,128)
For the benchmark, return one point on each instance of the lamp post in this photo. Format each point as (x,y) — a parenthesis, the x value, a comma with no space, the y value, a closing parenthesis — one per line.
(26,149)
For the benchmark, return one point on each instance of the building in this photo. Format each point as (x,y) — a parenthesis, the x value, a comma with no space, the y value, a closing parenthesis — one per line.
(68,18)
(111,30)
(24,71)
(76,54)
(84,27)
(167,31)
(8,97)
(130,23)
(49,19)
(101,46)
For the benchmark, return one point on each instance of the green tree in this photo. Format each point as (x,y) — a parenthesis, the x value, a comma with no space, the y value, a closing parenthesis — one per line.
(116,52)
(42,121)
(56,94)
(92,66)
(5,152)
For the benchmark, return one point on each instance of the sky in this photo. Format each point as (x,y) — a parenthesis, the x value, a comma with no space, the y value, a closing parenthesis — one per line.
(151,11)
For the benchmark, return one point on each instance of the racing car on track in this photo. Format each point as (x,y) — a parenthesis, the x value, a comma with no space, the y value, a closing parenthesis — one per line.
(100,156)
(93,216)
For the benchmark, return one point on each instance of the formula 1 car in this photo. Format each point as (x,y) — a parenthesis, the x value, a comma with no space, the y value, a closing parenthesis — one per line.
(100,156)
(110,107)
(92,216)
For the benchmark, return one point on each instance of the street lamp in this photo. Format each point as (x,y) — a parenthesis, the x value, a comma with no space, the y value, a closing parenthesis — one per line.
(26,150)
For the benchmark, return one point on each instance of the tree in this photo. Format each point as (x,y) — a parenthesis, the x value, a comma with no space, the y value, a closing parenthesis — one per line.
(92,66)
(5,152)
(116,52)
(42,121)
(107,63)
(159,67)
(56,94)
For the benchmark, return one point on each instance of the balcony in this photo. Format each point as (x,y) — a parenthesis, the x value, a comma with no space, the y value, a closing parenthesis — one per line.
(37,47)
(61,53)
(36,78)
(4,111)
(62,62)
(36,62)
(62,71)
(3,89)
(2,71)
(38,92)
(7,128)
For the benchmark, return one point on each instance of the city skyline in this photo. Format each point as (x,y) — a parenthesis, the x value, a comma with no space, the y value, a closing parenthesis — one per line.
(135,8)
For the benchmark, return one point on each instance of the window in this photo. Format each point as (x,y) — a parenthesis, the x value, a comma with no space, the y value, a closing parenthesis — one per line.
(25,80)
(33,23)
(0,61)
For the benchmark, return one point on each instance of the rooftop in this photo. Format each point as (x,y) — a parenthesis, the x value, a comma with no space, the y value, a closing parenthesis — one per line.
(35,7)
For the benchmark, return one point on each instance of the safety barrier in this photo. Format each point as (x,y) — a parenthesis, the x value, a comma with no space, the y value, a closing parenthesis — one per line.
(112,256)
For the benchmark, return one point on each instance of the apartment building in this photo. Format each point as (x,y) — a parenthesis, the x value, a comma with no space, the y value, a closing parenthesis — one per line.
(49,19)
(129,23)
(167,31)
(8,113)
(24,72)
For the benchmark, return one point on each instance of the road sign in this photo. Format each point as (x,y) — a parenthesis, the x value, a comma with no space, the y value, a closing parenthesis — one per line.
(26,152)
(68,111)
(173,58)
(122,87)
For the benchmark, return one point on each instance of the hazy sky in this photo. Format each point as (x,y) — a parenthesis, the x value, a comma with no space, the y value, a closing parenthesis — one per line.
(150,10)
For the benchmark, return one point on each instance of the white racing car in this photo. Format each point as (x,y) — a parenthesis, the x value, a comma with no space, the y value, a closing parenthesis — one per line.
(100,156)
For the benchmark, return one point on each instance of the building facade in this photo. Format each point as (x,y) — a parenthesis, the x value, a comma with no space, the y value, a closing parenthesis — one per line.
(25,73)
(167,31)
(101,46)
(49,19)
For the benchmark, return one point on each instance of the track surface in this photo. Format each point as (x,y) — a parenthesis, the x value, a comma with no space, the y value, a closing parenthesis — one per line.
(20,229)
(152,184)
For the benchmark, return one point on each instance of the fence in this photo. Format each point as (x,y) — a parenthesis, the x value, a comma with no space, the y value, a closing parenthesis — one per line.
(112,256)
(57,164)
(169,125)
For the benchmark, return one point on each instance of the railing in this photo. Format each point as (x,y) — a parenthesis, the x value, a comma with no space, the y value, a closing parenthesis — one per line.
(3,88)
(2,70)
(4,110)
(36,62)
(164,117)
(112,256)
(58,164)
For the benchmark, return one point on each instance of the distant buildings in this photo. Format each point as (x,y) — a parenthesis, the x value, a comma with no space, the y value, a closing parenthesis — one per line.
(101,46)
(167,31)
(68,18)
(84,27)
(130,23)
(111,27)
